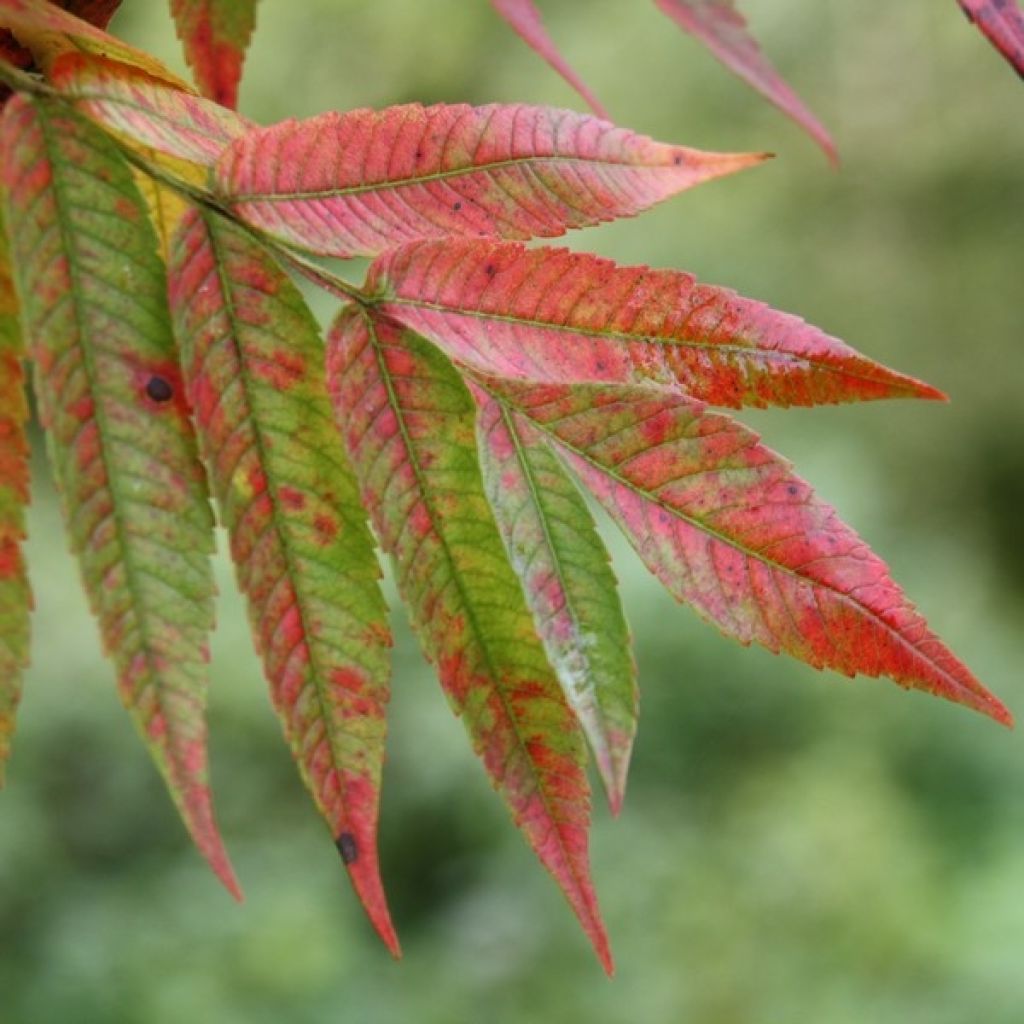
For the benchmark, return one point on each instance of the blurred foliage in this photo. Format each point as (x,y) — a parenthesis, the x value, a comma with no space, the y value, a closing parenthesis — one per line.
(794,847)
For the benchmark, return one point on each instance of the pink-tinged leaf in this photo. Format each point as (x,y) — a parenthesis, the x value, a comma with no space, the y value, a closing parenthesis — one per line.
(723,30)
(408,421)
(564,569)
(216,34)
(1003,22)
(726,526)
(15,595)
(94,309)
(48,32)
(253,361)
(554,315)
(525,19)
(149,112)
(358,183)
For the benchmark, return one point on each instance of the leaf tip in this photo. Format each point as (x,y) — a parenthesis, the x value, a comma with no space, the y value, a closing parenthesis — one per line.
(364,873)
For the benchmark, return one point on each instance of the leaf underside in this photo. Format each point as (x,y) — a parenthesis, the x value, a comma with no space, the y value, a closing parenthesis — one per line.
(719,25)
(253,360)
(550,314)
(215,34)
(358,183)
(93,296)
(15,595)
(1003,22)
(409,424)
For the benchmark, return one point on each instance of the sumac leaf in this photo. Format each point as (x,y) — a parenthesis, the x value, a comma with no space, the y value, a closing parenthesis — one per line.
(94,307)
(554,315)
(408,421)
(729,529)
(525,19)
(149,112)
(15,595)
(305,559)
(215,34)
(560,560)
(358,183)
(1003,22)
(719,25)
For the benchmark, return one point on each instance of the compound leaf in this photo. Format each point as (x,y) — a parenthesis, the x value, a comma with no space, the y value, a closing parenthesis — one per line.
(94,308)
(253,360)
(526,20)
(719,25)
(215,34)
(15,595)
(562,564)
(408,421)
(554,315)
(361,182)
(726,526)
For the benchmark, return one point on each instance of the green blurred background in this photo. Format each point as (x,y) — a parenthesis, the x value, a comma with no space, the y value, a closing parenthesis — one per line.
(795,847)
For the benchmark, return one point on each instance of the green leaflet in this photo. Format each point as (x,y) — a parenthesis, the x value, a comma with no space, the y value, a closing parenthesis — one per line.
(120,441)
(569,585)
(253,360)
(409,422)
(15,595)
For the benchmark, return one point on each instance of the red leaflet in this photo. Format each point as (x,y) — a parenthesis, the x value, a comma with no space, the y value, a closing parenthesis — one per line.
(96,12)
(1003,22)
(554,315)
(723,30)
(726,526)
(408,421)
(359,183)
(215,34)
(146,110)
(524,17)
(252,355)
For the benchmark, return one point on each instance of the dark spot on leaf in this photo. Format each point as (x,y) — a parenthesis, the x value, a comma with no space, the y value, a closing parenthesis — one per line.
(456,207)
(792,488)
(347,847)
(678,159)
(159,389)
(489,270)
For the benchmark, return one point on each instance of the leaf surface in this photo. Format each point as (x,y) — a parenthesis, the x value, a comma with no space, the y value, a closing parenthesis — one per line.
(554,315)
(216,34)
(719,25)
(564,569)
(15,595)
(299,539)
(525,18)
(409,423)
(151,113)
(358,183)
(1003,22)
(726,526)
(94,302)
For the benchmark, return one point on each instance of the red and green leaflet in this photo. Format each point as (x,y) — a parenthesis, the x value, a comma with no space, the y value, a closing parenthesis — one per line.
(93,296)
(1003,22)
(468,395)
(253,363)
(15,596)
(358,183)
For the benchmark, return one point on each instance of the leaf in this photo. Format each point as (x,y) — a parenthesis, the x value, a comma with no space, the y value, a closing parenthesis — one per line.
(408,421)
(215,34)
(15,594)
(526,21)
(96,12)
(549,314)
(726,526)
(94,304)
(719,25)
(358,183)
(1003,22)
(148,112)
(166,209)
(563,567)
(254,364)
(48,32)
